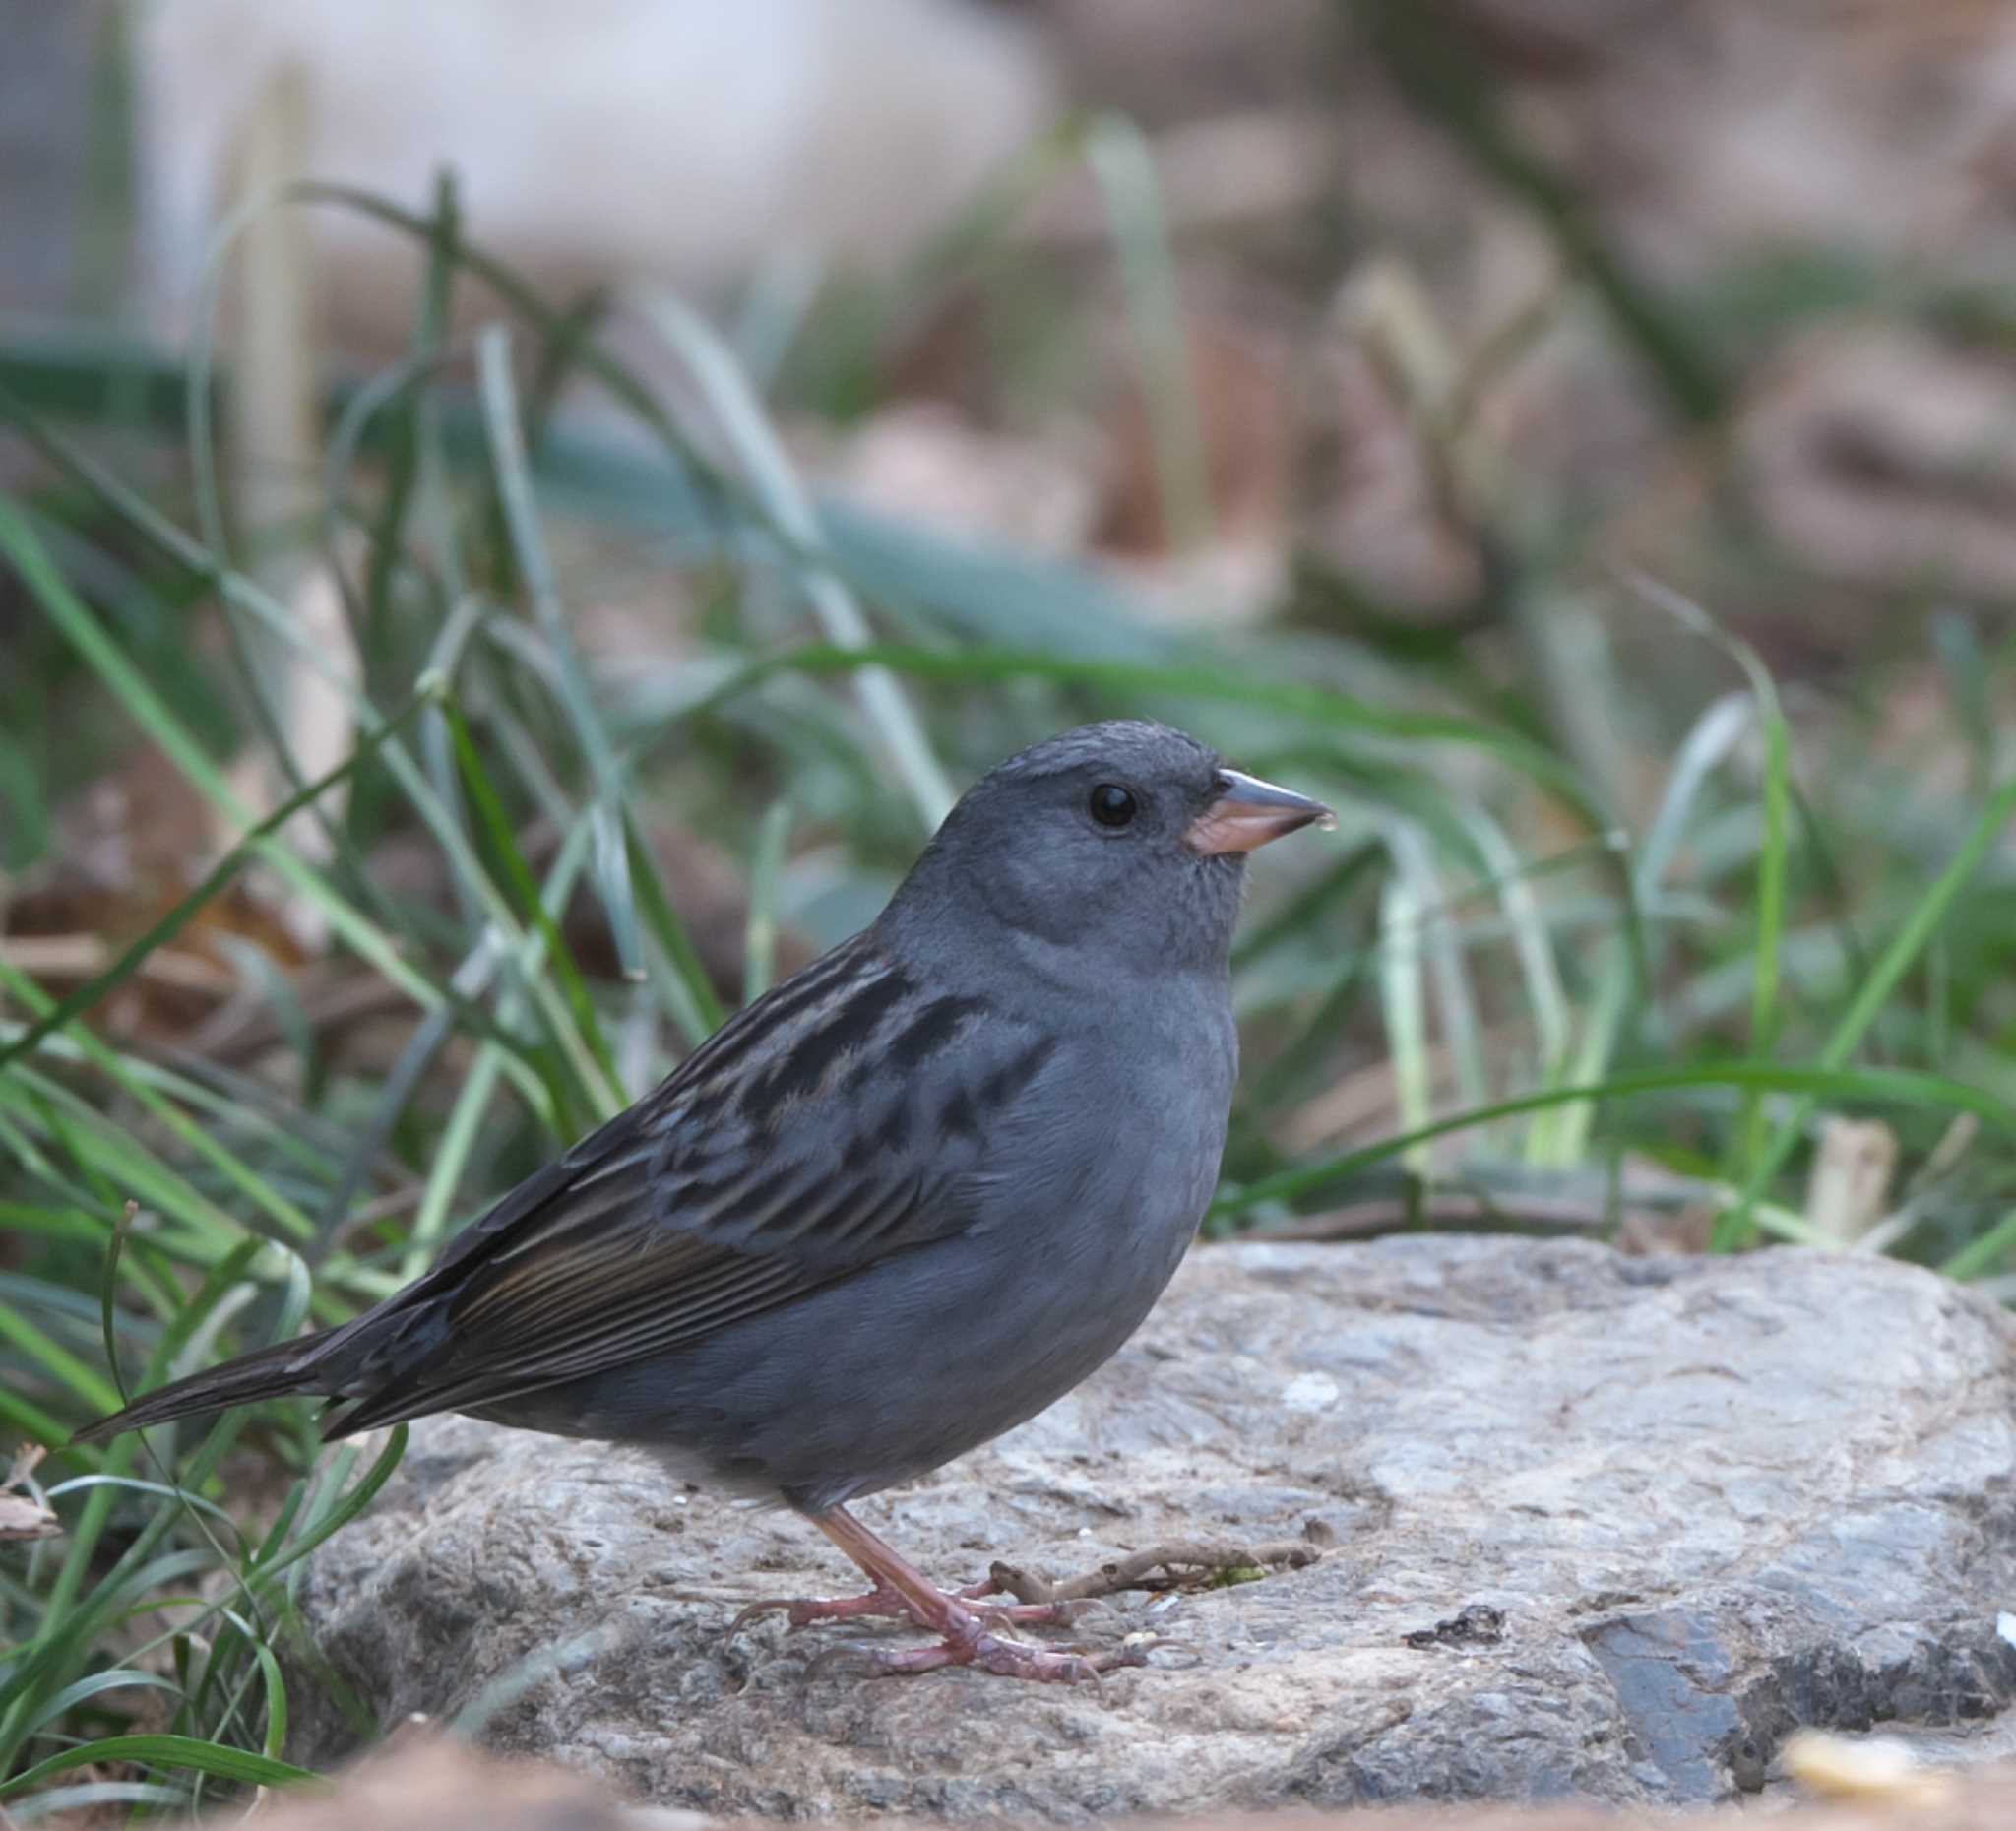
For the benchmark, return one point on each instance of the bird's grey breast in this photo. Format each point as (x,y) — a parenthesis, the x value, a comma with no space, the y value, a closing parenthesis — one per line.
(1109,1159)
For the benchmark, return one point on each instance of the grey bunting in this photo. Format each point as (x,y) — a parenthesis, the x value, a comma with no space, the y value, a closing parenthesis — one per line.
(892,1209)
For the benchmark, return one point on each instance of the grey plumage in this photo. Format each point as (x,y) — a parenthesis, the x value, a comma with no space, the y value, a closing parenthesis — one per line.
(902,1203)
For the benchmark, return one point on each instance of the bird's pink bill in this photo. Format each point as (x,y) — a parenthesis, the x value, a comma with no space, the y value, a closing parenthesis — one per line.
(1248,813)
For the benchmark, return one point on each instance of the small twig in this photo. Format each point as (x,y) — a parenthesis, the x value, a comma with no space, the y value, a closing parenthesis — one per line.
(387,1207)
(69,957)
(1187,1563)
(1451,1208)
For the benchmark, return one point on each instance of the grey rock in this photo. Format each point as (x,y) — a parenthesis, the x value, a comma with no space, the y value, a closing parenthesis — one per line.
(1599,1526)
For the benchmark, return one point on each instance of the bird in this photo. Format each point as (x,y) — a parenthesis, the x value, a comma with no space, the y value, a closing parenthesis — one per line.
(890,1209)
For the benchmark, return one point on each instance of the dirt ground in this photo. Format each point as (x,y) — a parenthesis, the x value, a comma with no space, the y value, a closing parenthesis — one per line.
(425,1783)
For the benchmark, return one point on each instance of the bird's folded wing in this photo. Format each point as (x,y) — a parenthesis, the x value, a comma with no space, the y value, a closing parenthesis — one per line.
(770,1163)
(586,1289)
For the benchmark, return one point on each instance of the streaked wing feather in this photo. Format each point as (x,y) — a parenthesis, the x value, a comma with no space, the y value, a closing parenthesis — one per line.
(580,1301)
(802,1141)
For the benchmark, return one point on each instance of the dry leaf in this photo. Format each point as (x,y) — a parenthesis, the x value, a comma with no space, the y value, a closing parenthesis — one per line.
(26,1514)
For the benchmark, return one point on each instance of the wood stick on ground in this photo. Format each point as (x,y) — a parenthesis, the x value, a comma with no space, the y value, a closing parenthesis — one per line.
(1185,1563)
(1444,1208)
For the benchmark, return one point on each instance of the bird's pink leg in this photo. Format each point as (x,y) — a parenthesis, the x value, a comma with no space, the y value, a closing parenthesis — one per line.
(901,1589)
(884,1599)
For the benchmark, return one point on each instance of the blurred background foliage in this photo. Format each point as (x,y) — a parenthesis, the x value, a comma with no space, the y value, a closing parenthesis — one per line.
(516,521)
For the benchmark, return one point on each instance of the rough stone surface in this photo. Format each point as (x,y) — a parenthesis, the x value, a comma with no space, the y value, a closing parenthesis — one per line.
(1598,1525)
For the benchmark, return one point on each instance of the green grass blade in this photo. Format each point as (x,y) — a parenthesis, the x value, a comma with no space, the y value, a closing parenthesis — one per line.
(689,993)
(91,1796)
(1122,163)
(1323,707)
(1771,854)
(178,1752)
(1984,1252)
(521,515)
(766,869)
(89,995)
(1877,1087)
(98,1684)
(49,590)
(761,453)
(521,885)
(1404,1006)
(1874,992)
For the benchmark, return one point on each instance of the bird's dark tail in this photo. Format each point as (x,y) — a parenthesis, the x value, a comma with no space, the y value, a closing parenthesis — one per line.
(265,1373)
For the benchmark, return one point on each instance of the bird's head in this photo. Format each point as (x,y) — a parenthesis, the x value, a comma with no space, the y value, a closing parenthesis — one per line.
(1123,841)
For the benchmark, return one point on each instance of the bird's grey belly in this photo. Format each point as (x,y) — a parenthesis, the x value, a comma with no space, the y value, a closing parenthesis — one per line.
(897,1368)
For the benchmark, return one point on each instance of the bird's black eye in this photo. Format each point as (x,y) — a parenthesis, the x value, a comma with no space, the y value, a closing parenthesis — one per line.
(1112,805)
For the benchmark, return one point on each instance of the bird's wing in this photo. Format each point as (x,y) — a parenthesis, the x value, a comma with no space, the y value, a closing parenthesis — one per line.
(831,1124)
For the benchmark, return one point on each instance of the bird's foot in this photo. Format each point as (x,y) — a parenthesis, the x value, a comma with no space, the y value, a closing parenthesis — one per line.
(969,1628)
(807,1611)
(968,1643)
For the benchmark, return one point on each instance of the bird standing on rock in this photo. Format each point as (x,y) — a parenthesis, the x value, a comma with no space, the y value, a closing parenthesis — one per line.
(894,1208)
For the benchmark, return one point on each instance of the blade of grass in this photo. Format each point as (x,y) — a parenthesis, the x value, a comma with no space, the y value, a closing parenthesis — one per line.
(741,421)
(416,424)
(276,369)
(91,1796)
(1874,992)
(1404,1006)
(1298,911)
(341,1506)
(96,1685)
(1324,707)
(1539,973)
(1440,942)
(55,597)
(1117,153)
(1614,982)
(56,1361)
(766,869)
(1710,740)
(64,608)
(1984,1252)
(91,992)
(472,1102)
(514,487)
(688,992)
(524,888)
(158,1750)
(1749,1144)
(1875,1086)
(112,1152)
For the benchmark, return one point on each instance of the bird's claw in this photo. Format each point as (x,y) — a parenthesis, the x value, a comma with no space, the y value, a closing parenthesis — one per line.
(807,1611)
(1001,1655)
(803,1611)
(750,1612)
